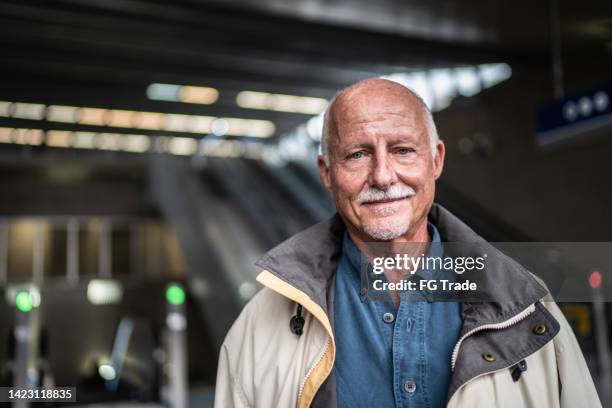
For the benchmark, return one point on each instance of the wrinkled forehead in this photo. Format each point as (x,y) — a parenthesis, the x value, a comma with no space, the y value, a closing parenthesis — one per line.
(378,109)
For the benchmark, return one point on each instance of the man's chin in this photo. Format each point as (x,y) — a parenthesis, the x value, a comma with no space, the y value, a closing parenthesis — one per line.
(385,231)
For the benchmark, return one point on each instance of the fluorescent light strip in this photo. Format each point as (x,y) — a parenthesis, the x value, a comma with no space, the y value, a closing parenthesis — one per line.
(22,110)
(138,120)
(121,118)
(150,120)
(136,143)
(281,102)
(141,120)
(109,141)
(181,146)
(59,138)
(5,135)
(5,109)
(21,136)
(33,111)
(63,114)
(438,87)
(32,137)
(164,92)
(183,93)
(92,116)
(198,94)
(157,121)
(202,124)
(83,140)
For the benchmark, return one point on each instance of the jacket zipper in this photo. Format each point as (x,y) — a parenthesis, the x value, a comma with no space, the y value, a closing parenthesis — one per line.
(316,363)
(496,326)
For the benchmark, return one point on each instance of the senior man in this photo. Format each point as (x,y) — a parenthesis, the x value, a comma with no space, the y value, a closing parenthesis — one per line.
(311,338)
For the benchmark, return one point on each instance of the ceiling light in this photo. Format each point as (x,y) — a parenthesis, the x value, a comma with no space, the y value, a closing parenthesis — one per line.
(223,148)
(59,138)
(5,135)
(492,74)
(175,123)
(163,92)
(183,93)
(136,143)
(64,114)
(251,99)
(250,127)
(314,105)
(468,81)
(281,102)
(32,137)
(92,116)
(142,143)
(260,128)
(200,124)
(34,111)
(183,146)
(152,120)
(149,120)
(198,94)
(443,87)
(5,109)
(83,140)
(121,118)
(220,127)
(109,141)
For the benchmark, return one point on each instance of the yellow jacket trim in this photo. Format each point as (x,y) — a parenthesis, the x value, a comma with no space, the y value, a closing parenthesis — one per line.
(324,367)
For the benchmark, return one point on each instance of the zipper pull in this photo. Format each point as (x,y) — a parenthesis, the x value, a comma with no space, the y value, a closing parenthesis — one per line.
(517,369)
(297,322)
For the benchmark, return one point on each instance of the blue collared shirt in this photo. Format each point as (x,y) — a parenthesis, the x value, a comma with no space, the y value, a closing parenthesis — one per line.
(388,356)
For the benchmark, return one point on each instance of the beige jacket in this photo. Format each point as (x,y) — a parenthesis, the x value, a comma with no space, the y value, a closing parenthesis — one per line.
(262,363)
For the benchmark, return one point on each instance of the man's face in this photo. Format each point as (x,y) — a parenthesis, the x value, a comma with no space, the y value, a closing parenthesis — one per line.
(381,172)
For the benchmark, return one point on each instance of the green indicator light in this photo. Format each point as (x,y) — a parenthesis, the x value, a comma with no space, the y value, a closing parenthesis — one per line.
(175,295)
(23,301)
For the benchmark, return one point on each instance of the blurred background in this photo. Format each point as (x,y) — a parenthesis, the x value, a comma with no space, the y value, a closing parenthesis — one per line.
(151,151)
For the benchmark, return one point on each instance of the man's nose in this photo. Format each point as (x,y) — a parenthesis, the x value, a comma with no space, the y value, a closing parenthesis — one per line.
(382,174)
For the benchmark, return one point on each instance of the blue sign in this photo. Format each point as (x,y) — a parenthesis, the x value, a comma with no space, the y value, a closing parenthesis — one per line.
(578,117)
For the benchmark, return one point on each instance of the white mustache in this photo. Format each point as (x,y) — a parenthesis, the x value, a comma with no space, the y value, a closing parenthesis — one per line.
(394,192)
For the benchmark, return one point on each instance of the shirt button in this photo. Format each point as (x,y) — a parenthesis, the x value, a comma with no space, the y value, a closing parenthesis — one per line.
(388,317)
(410,386)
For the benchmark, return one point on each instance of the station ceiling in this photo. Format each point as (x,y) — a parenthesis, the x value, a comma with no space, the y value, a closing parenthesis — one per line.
(104,53)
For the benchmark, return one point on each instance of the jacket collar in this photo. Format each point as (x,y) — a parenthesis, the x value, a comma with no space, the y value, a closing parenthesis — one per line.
(308,260)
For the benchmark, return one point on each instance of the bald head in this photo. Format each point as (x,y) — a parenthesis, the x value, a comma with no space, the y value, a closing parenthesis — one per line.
(361,99)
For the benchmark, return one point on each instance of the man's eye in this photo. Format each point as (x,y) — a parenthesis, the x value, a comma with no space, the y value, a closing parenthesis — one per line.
(404,151)
(356,155)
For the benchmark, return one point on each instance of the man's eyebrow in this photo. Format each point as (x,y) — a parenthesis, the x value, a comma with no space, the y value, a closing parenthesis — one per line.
(412,136)
(403,139)
(356,145)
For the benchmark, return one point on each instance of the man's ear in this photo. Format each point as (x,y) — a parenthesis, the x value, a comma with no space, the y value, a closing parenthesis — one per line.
(439,159)
(324,173)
